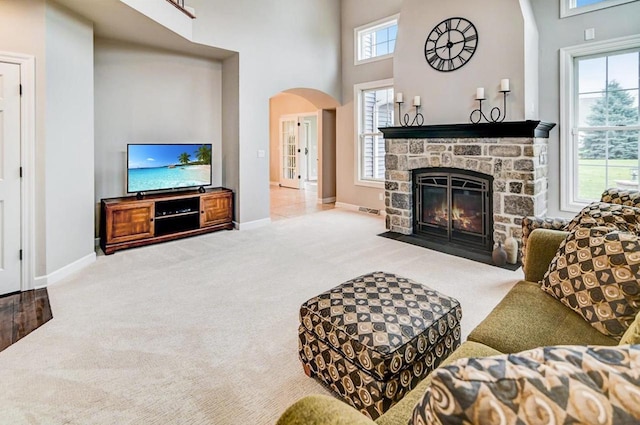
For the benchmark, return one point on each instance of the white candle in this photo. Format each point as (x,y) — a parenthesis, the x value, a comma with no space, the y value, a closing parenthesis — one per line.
(480,93)
(416,101)
(504,84)
(399,97)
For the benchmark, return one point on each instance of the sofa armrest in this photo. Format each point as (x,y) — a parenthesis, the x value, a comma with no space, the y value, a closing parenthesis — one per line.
(529,224)
(322,410)
(542,246)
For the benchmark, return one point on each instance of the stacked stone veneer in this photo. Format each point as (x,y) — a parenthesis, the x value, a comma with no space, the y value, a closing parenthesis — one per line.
(518,165)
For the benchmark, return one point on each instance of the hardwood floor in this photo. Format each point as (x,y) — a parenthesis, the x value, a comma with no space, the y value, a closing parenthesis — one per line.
(288,203)
(21,314)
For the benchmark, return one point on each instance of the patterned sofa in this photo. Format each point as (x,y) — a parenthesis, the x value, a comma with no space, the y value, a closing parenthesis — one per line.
(526,318)
(611,196)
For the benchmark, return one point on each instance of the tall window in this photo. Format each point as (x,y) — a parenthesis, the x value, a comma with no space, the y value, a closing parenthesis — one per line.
(575,7)
(603,132)
(376,40)
(375,107)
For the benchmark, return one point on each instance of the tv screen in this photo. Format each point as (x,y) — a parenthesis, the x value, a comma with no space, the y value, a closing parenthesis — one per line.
(167,166)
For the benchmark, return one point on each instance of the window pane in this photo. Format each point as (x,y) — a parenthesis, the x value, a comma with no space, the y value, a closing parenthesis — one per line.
(377,41)
(606,159)
(590,109)
(622,107)
(377,111)
(623,69)
(592,75)
(580,3)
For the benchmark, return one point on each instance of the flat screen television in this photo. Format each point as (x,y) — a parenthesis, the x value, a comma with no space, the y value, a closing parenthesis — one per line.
(153,167)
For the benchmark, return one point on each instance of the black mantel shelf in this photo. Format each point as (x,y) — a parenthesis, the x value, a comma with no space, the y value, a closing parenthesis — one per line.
(464,131)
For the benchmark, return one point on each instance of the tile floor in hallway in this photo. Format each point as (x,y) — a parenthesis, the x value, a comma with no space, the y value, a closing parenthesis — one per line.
(287,203)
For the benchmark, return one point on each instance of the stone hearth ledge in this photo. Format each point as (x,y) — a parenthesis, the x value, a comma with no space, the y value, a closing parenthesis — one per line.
(514,153)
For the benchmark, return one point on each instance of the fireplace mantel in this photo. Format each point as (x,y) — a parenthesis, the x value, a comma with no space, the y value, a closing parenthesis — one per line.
(465,131)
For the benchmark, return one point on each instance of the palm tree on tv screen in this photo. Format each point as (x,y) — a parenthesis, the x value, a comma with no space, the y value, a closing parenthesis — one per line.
(204,154)
(184,158)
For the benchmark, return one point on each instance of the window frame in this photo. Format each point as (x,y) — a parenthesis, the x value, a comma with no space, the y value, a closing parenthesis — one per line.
(358,89)
(370,27)
(568,9)
(568,112)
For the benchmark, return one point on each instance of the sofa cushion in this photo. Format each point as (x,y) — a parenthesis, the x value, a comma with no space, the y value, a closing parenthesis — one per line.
(401,412)
(596,273)
(617,216)
(547,385)
(528,317)
(632,335)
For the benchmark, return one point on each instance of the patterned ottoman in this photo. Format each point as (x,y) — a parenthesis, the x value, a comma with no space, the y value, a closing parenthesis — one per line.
(373,338)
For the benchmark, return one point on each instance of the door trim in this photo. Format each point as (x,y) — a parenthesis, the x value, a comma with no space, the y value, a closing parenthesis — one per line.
(27,161)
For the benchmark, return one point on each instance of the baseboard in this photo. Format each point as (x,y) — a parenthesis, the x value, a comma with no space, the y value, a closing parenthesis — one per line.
(327,200)
(253,224)
(367,210)
(63,272)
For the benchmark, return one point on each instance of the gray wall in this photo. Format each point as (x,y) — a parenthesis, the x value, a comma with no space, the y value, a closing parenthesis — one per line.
(144,95)
(449,97)
(354,14)
(231,128)
(27,18)
(69,138)
(283,44)
(556,33)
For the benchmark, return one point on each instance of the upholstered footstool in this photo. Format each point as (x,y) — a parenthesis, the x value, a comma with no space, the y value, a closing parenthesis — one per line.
(373,338)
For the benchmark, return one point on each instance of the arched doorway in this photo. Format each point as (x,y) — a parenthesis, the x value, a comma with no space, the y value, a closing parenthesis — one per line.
(302,162)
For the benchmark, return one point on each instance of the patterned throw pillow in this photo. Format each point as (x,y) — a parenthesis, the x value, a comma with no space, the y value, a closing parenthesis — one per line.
(632,335)
(596,273)
(549,385)
(616,216)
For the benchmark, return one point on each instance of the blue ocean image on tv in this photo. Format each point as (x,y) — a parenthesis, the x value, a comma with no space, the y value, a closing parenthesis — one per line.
(156,167)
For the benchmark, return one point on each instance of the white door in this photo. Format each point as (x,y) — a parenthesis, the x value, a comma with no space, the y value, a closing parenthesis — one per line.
(309,134)
(10,273)
(289,173)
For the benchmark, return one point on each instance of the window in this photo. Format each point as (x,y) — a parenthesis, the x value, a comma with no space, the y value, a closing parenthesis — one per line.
(600,143)
(376,41)
(374,109)
(575,7)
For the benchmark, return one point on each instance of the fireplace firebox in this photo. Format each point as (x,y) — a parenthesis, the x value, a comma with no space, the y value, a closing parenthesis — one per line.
(453,206)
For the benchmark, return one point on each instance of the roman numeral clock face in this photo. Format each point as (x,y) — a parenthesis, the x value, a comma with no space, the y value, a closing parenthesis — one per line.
(451,44)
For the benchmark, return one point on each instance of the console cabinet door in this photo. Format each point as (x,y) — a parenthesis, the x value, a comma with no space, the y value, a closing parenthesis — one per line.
(215,209)
(130,221)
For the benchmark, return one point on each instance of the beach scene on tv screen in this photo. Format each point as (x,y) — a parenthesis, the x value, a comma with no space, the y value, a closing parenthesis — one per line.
(154,167)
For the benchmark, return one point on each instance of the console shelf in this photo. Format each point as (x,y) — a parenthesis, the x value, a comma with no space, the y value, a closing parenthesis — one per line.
(131,222)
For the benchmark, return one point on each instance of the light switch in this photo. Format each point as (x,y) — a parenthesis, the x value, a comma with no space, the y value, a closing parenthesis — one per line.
(261,153)
(589,34)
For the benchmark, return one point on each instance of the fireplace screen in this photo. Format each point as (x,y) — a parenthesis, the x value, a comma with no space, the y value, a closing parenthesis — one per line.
(454,206)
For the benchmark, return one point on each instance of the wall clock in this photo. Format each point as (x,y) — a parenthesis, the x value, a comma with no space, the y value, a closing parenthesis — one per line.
(451,44)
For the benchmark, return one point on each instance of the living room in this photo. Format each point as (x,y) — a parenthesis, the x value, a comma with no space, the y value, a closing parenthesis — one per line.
(99,75)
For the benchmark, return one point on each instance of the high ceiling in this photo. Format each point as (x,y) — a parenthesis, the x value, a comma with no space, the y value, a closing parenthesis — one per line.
(112,19)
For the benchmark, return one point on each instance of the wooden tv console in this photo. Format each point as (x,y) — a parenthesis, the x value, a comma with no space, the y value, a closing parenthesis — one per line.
(130,222)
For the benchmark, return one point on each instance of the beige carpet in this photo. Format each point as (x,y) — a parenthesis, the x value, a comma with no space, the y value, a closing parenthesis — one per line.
(203,330)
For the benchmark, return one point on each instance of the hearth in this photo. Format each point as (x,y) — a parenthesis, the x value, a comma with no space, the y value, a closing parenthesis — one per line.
(453,206)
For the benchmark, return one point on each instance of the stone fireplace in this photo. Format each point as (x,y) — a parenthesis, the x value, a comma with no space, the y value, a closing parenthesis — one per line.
(501,169)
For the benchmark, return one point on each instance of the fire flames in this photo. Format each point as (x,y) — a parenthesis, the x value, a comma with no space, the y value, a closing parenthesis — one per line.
(461,219)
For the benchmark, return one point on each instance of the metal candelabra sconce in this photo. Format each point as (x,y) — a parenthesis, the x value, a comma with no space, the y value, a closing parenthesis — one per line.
(406,121)
(495,115)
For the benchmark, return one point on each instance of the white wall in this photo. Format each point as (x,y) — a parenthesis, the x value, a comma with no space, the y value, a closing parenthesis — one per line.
(69,138)
(556,33)
(283,44)
(145,95)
